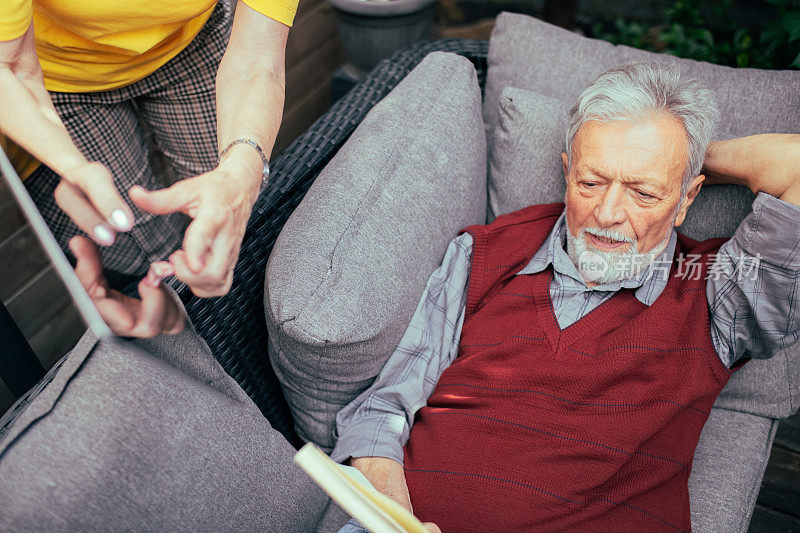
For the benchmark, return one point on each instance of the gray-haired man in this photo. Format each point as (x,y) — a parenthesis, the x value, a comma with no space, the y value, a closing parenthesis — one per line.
(561,363)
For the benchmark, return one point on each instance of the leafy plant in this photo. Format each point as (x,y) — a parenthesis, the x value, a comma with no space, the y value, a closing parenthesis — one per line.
(708,31)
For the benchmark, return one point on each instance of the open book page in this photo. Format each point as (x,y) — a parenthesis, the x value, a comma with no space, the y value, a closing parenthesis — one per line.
(354,493)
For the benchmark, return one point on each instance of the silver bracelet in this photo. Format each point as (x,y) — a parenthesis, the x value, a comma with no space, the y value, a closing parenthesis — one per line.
(251,142)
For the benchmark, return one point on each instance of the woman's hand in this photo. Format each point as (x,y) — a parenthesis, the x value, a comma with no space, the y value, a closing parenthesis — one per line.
(220,203)
(86,191)
(87,194)
(154,314)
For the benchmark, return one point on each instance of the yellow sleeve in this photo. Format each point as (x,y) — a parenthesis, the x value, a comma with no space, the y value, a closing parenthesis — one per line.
(281,10)
(15,17)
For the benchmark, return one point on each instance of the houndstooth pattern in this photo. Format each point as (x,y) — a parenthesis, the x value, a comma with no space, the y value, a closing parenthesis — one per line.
(177,103)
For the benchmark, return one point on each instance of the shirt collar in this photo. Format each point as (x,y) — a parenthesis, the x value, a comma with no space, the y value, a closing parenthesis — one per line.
(649,283)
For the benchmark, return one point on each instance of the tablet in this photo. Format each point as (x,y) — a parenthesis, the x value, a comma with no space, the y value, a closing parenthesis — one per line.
(77,292)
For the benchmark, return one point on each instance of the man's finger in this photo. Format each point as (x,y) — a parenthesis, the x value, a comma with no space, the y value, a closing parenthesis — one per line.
(179,197)
(96,182)
(75,204)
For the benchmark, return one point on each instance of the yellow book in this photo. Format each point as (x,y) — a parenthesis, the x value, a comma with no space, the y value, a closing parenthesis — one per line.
(351,490)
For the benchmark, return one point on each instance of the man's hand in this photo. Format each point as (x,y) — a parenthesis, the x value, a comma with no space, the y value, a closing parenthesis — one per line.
(387,476)
(220,203)
(767,162)
(154,314)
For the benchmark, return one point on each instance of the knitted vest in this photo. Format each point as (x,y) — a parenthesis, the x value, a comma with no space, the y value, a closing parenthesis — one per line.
(590,428)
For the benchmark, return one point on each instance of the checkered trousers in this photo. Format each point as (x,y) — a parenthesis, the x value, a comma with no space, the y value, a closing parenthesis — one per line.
(177,104)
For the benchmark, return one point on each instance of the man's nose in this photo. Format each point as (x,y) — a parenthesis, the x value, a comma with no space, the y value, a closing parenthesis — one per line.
(610,210)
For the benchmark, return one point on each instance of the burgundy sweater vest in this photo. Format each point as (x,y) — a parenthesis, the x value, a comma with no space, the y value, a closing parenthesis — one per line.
(592,428)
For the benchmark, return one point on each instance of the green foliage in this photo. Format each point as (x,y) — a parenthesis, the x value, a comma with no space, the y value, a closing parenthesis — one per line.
(708,31)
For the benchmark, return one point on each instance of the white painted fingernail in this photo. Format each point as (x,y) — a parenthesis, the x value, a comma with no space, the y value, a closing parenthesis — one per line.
(121,220)
(104,235)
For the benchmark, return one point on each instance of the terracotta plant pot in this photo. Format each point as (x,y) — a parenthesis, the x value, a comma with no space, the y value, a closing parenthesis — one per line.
(372,30)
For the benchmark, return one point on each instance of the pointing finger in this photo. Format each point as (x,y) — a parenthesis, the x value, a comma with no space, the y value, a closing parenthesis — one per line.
(164,201)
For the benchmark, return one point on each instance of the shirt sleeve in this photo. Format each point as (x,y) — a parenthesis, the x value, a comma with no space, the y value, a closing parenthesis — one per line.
(754,284)
(283,11)
(15,17)
(377,423)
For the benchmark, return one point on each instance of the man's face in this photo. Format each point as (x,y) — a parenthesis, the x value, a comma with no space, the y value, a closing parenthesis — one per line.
(625,180)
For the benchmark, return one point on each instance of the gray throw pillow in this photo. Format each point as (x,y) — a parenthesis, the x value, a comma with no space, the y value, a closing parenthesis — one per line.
(525,160)
(555,65)
(349,266)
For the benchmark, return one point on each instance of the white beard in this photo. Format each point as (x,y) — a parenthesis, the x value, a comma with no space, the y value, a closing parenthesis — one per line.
(600,266)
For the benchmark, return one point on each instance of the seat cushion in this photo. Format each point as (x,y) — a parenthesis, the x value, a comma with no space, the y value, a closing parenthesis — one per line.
(537,71)
(350,264)
(149,436)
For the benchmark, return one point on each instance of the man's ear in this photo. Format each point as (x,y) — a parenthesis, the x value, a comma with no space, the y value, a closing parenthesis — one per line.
(565,166)
(686,201)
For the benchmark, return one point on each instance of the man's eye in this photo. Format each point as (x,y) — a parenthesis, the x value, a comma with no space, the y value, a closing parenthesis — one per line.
(588,183)
(645,196)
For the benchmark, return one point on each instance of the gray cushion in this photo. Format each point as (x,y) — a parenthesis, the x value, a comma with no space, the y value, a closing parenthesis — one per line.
(350,264)
(164,440)
(525,160)
(726,479)
(553,66)
(528,53)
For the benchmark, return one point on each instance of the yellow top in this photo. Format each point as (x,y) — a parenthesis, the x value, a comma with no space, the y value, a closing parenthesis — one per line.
(99,45)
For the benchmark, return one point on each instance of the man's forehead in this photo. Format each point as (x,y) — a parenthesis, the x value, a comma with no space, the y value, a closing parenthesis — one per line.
(649,150)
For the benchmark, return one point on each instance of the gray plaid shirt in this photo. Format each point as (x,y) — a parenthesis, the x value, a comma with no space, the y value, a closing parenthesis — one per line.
(752,315)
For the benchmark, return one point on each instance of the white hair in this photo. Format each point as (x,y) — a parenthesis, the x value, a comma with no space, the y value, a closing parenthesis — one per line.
(637,90)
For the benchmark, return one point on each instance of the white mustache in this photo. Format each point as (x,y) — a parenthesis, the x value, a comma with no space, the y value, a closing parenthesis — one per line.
(608,234)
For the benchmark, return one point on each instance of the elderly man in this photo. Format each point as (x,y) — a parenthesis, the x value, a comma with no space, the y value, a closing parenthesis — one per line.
(563,359)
